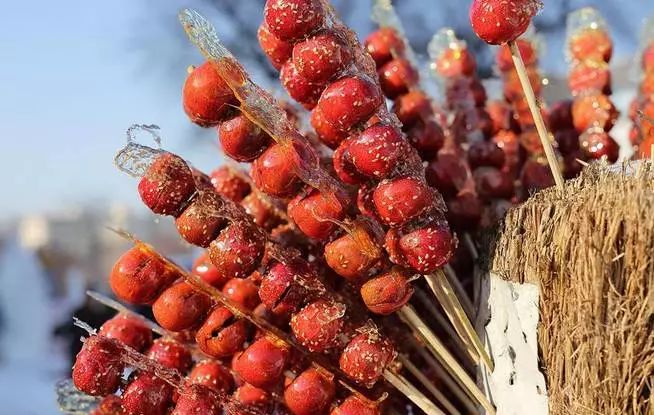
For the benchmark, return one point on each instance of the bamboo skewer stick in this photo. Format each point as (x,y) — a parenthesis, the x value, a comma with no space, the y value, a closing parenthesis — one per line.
(460,291)
(535,112)
(438,349)
(441,287)
(102,299)
(410,391)
(442,399)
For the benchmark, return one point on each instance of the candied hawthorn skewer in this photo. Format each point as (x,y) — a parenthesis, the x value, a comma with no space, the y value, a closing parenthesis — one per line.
(501,22)
(642,108)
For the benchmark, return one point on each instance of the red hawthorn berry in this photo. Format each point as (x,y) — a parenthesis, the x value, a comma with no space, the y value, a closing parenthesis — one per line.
(138,277)
(412,107)
(493,183)
(180,307)
(424,248)
(501,115)
(283,288)
(567,141)
(203,268)
(221,335)
(383,44)
(171,354)
(315,213)
(377,150)
(590,76)
(427,137)
(206,97)
(238,250)
(352,256)
(299,88)
(648,58)
(98,367)
(349,101)
(262,364)
(591,44)
(396,77)
(293,19)
(129,330)
(365,357)
(501,21)
(242,291)
(167,185)
(274,172)
(485,153)
(261,211)
(343,166)
(251,396)
(227,183)
(198,399)
(109,405)
(387,293)
(147,394)
(462,93)
(310,393)
(277,50)
(213,375)
(504,60)
(200,223)
(598,144)
(327,132)
(560,115)
(401,199)
(456,62)
(202,181)
(318,325)
(353,405)
(241,139)
(321,57)
(464,211)
(512,86)
(593,110)
(448,173)
(536,175)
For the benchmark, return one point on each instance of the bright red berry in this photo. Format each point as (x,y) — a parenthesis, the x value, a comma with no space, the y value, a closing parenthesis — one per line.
(147,394)
(237,251)
(274,172)
(129,330)
(387,293)
(424,248)
(213,375)
(401,199)
(277,50)
(242,291)
(365,357)
(504,59)
(241,139)
(315,213)
(383,44)
(377,150)
(299,88)
(171,353)
(180,307)
(206,97)
(167,185)
(201,222)
(283,288)
(109,405)
(205,269)
(598,144)
(593,110)
(138,277)
(293,19)
(591,44)
(343,166)
(396,77)
(501,21)
(349,102)
(321,57)
(412,107)
(221,335)
(318,324)
(261,211)
(354,405)
(196,400)
(262,363)
(98,367)
(427,137)
(330,135)
(310,393)
(253,397)
(589,76)
(352,255)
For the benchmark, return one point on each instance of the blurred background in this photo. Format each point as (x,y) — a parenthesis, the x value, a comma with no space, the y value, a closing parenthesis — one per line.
(75,75)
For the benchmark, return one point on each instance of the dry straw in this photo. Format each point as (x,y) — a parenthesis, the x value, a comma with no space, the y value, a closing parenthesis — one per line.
(589,247)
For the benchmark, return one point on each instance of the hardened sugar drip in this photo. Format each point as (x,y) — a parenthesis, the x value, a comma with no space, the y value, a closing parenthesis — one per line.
(134,159)
(72,401)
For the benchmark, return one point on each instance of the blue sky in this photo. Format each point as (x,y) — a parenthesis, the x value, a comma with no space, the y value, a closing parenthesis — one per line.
(71,84)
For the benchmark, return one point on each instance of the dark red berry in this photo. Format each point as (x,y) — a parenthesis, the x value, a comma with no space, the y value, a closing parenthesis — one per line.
(412,107)
(493,183)
(237,251)
(283,288)
(171,353)
(242,291)
(320,57)
(424,248)
(310,393)
(302,90)
(167,185)
(206,97)
(293,19)
(396,77)
(147,394)
(221,335)
(253,397)
(354,405)
(401,199)
(387,293)
(377,150)
(139,276)
(318,324)
(383,44)
(277,50)
(464,211)
(274,172)
(315,214)
(203,268)
(352,255)
(365,357)
(129,330)
(213,375)
(261,211)
(349,102)
(262,363)
(485,153)
(198,400)
(501,21)
(241,139)
(330,135)
(427,137)
(344,167)
(201,221)
(597,144)
(98,367)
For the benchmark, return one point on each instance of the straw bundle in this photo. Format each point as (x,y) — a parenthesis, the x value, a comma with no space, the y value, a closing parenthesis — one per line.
(589,248)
